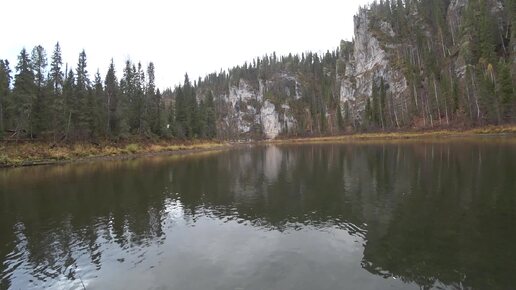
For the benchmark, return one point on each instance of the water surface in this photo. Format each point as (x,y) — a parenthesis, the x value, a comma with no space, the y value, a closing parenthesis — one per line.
(409,215)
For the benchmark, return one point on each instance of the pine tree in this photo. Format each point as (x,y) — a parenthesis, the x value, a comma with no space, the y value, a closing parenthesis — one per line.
(82,105)
(340,119)
(41,105)
(23,95)
(186,110)
(55,84)
(486,88)
(5,83)
(111,106)
(506,92)
(127,91)
(97,115)
(201,121)
(56,73)
(171,120)
(142,103)
(69,101)
(211,119)
(39,64)
(180,113)
(154,101)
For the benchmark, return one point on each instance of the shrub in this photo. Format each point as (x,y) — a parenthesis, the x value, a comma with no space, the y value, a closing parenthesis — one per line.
(132,148)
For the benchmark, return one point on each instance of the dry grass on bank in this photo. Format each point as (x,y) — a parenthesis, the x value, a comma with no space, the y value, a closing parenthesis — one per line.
(34,153)
(489,130)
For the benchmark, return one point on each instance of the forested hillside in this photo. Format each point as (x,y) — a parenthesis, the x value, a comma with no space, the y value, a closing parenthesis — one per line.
(411,64)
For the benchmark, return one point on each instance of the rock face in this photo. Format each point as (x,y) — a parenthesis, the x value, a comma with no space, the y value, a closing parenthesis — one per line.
(243,101)
(368,63)
(270,120)
(250,115)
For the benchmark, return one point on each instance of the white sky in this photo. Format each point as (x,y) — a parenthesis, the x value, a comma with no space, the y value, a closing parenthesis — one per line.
(194,36)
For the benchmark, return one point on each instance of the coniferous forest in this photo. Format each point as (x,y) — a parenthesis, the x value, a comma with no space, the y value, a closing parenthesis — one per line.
(456,62)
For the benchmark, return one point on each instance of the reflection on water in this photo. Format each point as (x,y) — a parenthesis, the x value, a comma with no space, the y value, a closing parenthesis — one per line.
(341,216)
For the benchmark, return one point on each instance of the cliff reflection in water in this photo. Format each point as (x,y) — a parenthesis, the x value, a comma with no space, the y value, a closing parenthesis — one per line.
(432,214)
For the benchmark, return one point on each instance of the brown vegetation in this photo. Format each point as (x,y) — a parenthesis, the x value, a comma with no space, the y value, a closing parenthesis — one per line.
(37,153)
(489,130)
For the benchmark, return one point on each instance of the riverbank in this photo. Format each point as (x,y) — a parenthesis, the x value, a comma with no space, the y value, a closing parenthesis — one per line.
(25,153)
(404,135)
(41,153)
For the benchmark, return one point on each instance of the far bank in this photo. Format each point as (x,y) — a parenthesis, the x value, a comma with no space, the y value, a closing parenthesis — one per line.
(31,153)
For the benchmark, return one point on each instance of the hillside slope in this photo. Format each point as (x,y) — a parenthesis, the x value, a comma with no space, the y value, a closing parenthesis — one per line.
(412,64)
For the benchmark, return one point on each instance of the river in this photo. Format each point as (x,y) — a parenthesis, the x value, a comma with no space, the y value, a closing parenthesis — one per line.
(428,214)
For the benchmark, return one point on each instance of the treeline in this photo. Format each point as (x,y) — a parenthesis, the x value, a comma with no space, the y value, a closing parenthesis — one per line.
(459,64)
(212,115)
(306,82)
(42,100)
(46,101)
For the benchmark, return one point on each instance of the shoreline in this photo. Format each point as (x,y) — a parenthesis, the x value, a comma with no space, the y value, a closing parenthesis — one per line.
(68,154)
(508,130)
(40,153)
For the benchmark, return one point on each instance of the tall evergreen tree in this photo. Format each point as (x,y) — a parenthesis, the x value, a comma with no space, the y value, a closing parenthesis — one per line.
(211,119)
(39,64)
(155,103)
(171,120)
(40,120)
(97,115)
(81,106)
(69,101)
(56,77)
(5,84)
(127,91)
(112,108)
(507,98)
(55,84)
(23,95)
(180,113)
(141,104)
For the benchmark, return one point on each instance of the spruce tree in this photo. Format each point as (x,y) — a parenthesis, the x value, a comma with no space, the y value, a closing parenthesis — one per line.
(127,93)
(5,84)
(69,101)
(141,104)
(211,119)
(41,115)
(82,106)
(154,106)
(97,114)
(506,93)
(113,112)
(180,112)
(24,93)
(171,120)
(55,84)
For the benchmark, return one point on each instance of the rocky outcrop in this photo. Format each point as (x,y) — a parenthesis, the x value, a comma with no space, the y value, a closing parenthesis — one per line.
(249,114)
(368,63)
(244,106)
(270,120)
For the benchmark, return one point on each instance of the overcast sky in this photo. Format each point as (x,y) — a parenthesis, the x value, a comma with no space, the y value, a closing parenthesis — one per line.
(194,36)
